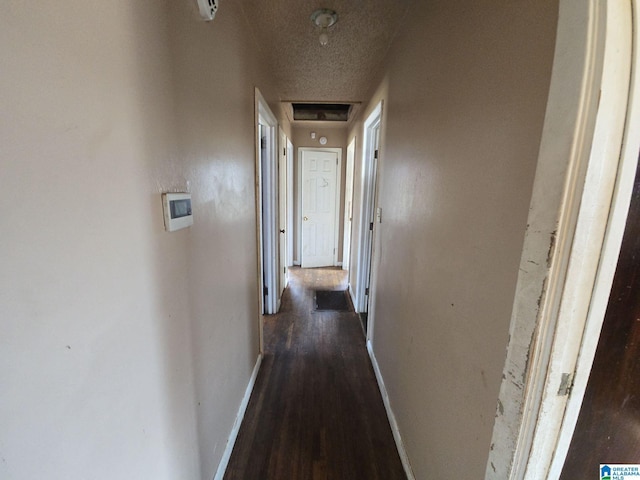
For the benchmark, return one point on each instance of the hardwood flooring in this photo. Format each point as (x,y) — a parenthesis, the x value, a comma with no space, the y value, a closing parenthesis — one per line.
(316,412)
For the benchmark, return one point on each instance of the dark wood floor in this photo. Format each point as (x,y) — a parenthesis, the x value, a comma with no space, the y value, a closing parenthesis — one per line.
(316,412)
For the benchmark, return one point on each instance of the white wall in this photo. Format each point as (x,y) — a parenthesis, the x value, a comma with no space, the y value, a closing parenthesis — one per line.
(125,350)
(464,96)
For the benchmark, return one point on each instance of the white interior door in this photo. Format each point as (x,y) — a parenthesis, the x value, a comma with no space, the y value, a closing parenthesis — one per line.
(367,213)
(372,169)
(348,205)
(267,206)
(282,213)
(319,189)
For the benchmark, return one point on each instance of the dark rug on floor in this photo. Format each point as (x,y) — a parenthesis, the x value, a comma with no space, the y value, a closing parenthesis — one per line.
(332,300)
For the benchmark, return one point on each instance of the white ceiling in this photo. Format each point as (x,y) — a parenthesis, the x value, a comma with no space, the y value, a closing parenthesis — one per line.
(344,70)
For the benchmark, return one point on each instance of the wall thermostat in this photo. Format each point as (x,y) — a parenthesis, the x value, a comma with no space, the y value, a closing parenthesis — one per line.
(208,9)
(177,211)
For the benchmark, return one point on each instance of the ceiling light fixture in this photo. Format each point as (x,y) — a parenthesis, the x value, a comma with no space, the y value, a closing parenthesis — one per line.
(324,18)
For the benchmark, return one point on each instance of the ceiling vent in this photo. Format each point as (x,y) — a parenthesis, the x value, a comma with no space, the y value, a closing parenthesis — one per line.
(321,112)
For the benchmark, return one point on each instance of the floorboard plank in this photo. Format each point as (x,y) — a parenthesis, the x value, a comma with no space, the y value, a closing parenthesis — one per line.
(315,412)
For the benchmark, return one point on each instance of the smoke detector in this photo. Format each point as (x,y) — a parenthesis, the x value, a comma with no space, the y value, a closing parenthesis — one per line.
(208,9)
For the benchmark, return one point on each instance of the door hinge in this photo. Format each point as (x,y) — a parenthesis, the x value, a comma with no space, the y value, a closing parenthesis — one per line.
(284,152)
(371,226)
(265,291)
(566,384)
(366,291)
(263,142)
(284,269)
(375,154)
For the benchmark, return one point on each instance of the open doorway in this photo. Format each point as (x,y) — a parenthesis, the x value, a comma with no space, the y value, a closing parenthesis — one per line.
(267,206)
(284,201)
(367,217)
(348,205)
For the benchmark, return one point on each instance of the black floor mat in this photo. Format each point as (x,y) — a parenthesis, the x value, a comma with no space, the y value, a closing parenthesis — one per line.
(332,300)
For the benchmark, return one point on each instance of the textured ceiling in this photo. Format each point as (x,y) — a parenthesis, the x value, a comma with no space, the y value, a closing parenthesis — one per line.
(340,72)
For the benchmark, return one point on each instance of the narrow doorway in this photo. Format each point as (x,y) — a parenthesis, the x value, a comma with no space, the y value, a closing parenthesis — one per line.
(283,206)
(368,215)
(348,205)
(267,206)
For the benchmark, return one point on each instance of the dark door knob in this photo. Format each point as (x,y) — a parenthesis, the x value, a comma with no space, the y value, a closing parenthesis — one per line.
(282,231)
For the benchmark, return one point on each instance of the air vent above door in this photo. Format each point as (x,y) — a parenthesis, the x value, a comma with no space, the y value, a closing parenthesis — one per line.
(321,112)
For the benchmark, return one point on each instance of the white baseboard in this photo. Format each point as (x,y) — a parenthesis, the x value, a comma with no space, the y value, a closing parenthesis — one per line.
(353,298)
(224,461)
(296,263)
(392,419)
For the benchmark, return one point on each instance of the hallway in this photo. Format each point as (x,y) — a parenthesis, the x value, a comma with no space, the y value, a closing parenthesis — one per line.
(129,348)
(316,411)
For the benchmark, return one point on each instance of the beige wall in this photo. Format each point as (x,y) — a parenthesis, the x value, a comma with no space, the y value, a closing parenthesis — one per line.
(125,350)
(464,97)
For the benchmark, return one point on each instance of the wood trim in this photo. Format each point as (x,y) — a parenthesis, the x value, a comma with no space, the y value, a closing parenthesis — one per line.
(264,113)
(233,435)
(258,212)
(290,204)
(390,415)
(367,202)
(586,247)
(347,221)
(352,295)
(562,160)
(614,234)
(562,246)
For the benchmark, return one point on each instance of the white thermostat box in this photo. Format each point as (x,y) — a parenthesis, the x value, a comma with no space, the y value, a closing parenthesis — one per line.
(208,9)
(177,211)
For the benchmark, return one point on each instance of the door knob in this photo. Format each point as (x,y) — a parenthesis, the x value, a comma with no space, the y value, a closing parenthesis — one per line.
(305,218)
(282,231)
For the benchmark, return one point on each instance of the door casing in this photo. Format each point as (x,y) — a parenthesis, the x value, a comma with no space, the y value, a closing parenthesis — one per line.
(348,205)
(578,212)
(266,208)
(283,206)
(364,275)
(290,209)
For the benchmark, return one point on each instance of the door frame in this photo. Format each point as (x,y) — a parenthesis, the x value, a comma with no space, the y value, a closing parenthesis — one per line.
(266,208)
(621,47)
(290,209)
(347,222)
(336,239)
(578,212)
(283,207)
(372,124)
